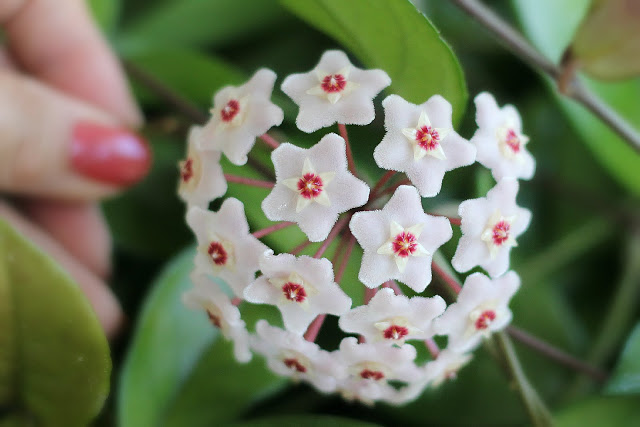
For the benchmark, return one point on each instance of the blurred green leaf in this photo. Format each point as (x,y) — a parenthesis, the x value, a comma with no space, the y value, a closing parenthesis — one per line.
(626,376)
(177,372)
(168,342)
(393,36)
(550,25)
(54,357)
(601,411)
(191,74)
(148,219)
(304,420)
(220,389)
(614,53)
(202,22)
(105,13)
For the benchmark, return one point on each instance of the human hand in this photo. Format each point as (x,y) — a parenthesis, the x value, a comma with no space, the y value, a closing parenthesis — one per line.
(64,110)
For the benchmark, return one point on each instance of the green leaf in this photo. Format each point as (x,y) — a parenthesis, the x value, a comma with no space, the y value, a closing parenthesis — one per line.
(166,347)
(626,376)
(54,357)
(202,22)
(177,372)
(191,74)
(610,412)
(393,36)
(550,25)
(148,219)
(105,13)
(304,420)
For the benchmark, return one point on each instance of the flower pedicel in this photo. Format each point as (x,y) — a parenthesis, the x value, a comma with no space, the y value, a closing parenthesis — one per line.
(319,190)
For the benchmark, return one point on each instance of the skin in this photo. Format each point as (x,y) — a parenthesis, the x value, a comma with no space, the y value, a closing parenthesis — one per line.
(57,61)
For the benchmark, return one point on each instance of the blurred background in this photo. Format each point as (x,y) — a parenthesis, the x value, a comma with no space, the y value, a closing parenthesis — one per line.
(579,261)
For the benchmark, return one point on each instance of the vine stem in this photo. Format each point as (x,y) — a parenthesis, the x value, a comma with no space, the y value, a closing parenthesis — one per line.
(302,246)
(343,133)
(248,181)
(275,227)
(519,46)
(337,228)
(382,181)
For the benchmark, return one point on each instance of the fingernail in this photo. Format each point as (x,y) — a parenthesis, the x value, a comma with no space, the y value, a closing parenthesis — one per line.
(111,155)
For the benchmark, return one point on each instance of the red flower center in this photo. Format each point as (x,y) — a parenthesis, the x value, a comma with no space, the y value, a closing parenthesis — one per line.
(369,374)
(310,185)
(404,244)
(186,171)
(217,253)
(427,138)
(333,83)
(512,141)
(294,364)
(484,320)
(395,332)
(294,292)
(230,110)
(501,232)
(214,319)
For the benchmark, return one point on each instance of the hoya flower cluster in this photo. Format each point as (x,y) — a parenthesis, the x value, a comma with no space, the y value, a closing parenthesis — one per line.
(321,191)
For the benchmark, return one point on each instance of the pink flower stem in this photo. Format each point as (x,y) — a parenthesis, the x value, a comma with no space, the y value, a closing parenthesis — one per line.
(269,140)
(385,178)
(337,228)
(301,247)
(275,227)
(343,133)
(391,189)
(393,285)
(433,348)
(452,220)
(248,181)
(236,301)
(345,259)
(314,328)
(450,281)
(369,293)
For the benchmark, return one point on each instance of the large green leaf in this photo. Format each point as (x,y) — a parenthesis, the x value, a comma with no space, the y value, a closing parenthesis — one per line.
(202,22)
(550,26)
(393,36)
(610,412)
(626,376)
(167,345)
(304,420)
(54,357)
(177,372)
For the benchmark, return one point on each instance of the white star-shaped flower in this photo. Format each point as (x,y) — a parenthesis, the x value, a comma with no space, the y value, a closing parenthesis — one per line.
(489,227)
(420,141)
(368,367)
(239,115)
(393,318)
(302,288)
(334,91)
(225,247)
(499,139)
(445,367)
(201,176)
(399,240)
(289,354)
(206,295)
(313,186)
(481,309)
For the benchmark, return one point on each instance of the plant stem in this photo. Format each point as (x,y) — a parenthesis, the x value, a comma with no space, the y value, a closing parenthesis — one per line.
(345,259)
(520,47)
(269,140)
(369,293)
(433,348)
(536,408)
(385,178)
(343,133)
(555,354)
(337,228)
(393,285)
(450,281)
(314,328)
(279,226)
(300,247)
(248,181)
